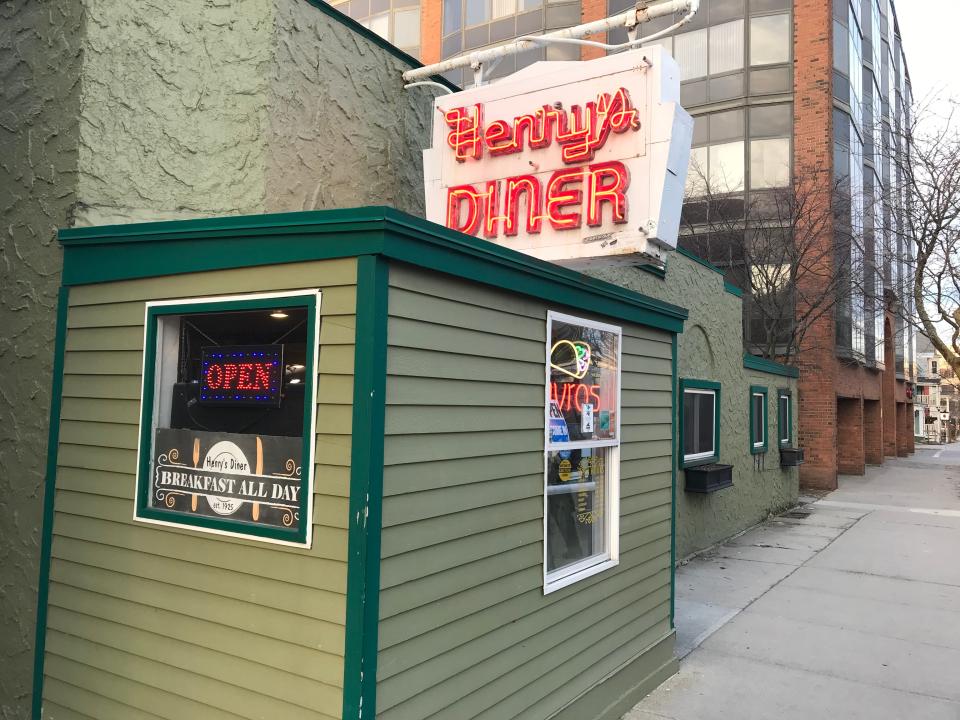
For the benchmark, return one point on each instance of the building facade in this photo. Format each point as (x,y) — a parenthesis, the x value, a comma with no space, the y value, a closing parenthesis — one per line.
(782,92)
(936,398)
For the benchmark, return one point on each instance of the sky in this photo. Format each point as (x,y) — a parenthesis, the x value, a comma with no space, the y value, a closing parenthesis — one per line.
(930,31)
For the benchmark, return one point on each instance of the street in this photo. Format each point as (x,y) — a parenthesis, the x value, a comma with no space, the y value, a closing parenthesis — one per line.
(850,611)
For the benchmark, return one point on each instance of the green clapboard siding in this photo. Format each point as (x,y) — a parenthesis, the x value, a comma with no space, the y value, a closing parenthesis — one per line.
(151,622)
(465,630)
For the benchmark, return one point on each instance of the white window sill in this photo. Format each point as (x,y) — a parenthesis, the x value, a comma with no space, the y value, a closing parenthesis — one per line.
(566,576)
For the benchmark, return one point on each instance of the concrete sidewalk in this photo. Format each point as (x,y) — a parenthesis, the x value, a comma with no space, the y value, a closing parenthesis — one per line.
(850,611)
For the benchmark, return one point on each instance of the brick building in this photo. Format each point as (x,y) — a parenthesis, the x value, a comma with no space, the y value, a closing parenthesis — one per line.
(779,89)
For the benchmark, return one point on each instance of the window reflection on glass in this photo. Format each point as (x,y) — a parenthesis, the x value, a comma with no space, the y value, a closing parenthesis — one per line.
(691,54)
(726,167)
(726,47)
(769,163)
(476,12)
(770,38)
(576,505)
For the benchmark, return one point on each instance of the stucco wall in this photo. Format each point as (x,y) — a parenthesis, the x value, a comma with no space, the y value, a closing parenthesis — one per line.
(342,130)
(711,348)
(117,112)
(174,109)
(40,59)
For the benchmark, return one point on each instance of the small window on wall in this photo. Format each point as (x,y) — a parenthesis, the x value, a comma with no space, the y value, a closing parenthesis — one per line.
(758,419)
(784,417)
(227,415)
(699,422)
(582,452)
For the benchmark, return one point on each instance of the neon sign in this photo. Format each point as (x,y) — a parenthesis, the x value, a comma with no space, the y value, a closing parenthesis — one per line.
(568,195)
(571,358)
(579,132)
(241,375)
(565,160)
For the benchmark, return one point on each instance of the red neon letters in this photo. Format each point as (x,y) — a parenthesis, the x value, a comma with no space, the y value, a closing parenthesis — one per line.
(569,197)
(561,202)
(579,132)
(574,395)
(239,376)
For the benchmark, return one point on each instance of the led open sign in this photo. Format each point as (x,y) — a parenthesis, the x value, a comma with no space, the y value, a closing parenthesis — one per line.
(241,375)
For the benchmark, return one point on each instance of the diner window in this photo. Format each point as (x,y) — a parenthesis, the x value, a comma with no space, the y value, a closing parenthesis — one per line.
(784,417)
(758,419)
(700,422)
(227,415)
(582,451)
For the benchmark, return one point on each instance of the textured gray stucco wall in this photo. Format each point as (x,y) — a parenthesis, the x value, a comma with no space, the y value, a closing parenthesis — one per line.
(343,131)
(40,56)
(116,111)
(711,348)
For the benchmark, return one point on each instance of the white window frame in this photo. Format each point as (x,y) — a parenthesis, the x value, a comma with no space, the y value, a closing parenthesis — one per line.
(764,430)
(713,426)
(588,567)
(784,441)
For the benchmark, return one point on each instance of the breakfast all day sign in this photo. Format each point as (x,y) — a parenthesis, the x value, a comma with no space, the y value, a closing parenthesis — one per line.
(565,159)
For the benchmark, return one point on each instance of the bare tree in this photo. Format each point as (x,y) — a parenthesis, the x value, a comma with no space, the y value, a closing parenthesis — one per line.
(928,193)
(794,251)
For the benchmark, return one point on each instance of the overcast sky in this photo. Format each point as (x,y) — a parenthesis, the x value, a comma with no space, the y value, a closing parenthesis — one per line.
(930,30)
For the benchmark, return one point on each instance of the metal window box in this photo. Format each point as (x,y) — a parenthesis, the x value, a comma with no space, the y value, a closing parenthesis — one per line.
(708,478)
(791,457)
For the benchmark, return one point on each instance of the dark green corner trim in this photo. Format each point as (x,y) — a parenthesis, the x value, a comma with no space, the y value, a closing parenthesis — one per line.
(655,270)
(732,289)
(752,362)
(700,385)
(673,479)
(759,449)
(356,27)
(699,260)
(124,252)
(49,491)
(366,490)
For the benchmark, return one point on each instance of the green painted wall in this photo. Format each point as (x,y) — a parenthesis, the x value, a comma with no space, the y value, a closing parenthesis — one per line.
(465,630)
(711,348)
(40,57)
(116,112)
(148,621)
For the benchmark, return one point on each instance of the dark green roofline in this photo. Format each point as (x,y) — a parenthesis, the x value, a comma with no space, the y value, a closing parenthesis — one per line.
(128,252)
(754,362)
(356,27)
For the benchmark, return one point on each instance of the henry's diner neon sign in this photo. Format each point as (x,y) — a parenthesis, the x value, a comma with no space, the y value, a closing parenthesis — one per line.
(565,160)
(241,375)
(570,197)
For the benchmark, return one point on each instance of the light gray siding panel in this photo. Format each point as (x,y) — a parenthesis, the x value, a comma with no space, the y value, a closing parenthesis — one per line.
(465,629)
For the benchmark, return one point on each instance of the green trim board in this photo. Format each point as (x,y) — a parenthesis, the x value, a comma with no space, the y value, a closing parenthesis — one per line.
(732,289)
(699,260)
(366,489)
(752,362)
(124,252)
(674,373)
(757,448)
(383,43)
(689,384)
(49,491)
(142,509)
(785,419)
